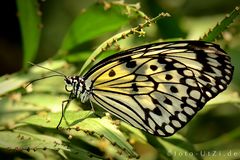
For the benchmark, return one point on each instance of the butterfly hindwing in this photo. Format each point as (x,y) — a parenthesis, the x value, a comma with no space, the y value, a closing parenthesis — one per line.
(160,87)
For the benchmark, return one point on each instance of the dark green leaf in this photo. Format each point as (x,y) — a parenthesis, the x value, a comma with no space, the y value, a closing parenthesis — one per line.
(92,23)
(30,22)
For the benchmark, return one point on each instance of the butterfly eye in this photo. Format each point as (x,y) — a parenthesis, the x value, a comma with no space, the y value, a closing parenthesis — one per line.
(68,87)
(68,84)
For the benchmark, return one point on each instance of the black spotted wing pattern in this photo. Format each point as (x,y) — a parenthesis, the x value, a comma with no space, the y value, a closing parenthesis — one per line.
(159,87)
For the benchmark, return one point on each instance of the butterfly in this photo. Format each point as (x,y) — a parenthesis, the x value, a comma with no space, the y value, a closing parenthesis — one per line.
(157,87)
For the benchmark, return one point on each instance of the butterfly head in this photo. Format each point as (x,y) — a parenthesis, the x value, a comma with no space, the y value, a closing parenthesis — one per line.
(74,85)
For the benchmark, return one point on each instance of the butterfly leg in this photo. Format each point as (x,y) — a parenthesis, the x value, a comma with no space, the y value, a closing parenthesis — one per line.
(64,107)
(92,106)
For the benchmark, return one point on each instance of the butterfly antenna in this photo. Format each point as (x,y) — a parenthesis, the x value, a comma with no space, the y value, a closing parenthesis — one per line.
(41,79)
(58,74)
(48,69)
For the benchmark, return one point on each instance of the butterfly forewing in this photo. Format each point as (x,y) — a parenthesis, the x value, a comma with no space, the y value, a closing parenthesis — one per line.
(160,87)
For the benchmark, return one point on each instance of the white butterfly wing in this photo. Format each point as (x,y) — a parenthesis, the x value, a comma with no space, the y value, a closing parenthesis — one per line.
(160,87)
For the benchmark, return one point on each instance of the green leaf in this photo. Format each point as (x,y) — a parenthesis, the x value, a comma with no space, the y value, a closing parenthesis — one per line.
(53,102)
(23,140)
(222,26)
(77,57)
(30,22)
(109,42)
(225,97)
(12,82)
(11,111)
(95,21)
(86,121)
(26,141)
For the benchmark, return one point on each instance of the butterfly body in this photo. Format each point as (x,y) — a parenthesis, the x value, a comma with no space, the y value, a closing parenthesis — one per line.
(157,87)
(76,85)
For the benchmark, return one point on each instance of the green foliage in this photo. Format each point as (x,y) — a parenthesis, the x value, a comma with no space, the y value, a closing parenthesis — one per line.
(87,123)
(29,116)
(30,21)
(219,28)
(84,26)
(111,41)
